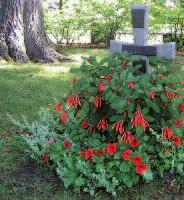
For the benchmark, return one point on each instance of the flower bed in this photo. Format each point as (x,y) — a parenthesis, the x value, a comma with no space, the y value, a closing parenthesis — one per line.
(116,127)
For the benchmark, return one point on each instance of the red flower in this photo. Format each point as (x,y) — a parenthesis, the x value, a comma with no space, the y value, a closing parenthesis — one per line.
(177,141)
(101,87)
(109,78)
(179,123)
(169,149)
(70,101)
(119,127)
(126,154)
(58,107)
(167,133)
(138,120)
(81,153)
(63,117)
(181,83)
(131,85)
(77,101)
(137,160)
(100,153)
(141,169)
(134,143)
(88,153)
(170,95)
(97,102)
(91,129)
(162,77)
(124,65)
(111,148)
(152,95)
(102,124)
(84,123)
(67,144)
(181,107)
(46,159)
(129,101)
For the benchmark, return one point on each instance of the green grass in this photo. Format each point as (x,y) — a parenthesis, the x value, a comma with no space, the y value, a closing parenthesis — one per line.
(23,90)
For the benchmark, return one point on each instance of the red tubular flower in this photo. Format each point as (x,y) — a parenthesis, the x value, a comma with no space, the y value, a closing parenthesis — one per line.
(109,78)
(101,87)
(179,123)
(77,101)
(141,169)
(84,124)
(152,95)
(138,120)
(88,153)
(169,149)
(137,160)
(67,144)
(58,107)
(181,83)
(129,139)
(167,133)
(170,95)
(97,102)
(177,141)
(111,148)
(100,153)
(131,85)
(119,127)
(91,128)
(102,124)
(124,65)
(63,117)
(46,159)
(70,101)
(126,154)
(181,107)
(129,101)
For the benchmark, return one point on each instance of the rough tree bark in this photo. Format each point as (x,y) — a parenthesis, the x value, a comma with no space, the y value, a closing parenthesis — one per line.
(22,34)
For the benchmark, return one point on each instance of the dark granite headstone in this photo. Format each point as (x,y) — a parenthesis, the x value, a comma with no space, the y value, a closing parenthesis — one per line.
(140,50)
(138,18)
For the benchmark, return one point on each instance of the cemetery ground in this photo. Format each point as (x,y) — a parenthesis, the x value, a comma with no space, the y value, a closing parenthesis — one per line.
(24,89)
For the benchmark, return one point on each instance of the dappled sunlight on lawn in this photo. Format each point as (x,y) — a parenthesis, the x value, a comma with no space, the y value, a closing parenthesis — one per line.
(56,69)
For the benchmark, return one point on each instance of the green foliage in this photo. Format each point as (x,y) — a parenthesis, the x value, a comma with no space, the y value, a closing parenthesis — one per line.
(112,110)
(105,20)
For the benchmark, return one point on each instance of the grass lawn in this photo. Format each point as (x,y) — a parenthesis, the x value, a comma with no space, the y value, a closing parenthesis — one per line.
(23,90)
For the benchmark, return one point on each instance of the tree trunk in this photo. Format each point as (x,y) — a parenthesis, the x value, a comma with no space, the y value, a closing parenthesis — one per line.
(22,34)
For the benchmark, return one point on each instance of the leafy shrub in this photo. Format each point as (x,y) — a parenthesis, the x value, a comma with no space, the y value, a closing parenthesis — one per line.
(116,127)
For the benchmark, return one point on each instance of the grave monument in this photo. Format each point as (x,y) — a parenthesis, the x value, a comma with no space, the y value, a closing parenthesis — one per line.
(140,23)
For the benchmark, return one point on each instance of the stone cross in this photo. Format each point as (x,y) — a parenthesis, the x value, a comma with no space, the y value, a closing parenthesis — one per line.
(140,22)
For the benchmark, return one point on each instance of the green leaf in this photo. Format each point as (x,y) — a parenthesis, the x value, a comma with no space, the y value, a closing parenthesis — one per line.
(163,97)
(68,181)
(83,112)
(149,118)
(79,181)
(125,166)
(145,111)
(117,155)
(180,168)
(139,130)
(92,91)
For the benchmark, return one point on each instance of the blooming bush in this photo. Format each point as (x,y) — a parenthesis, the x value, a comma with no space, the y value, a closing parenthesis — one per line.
(116,127)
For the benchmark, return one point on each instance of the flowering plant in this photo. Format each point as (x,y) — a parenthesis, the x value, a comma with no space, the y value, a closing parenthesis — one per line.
(118,126)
